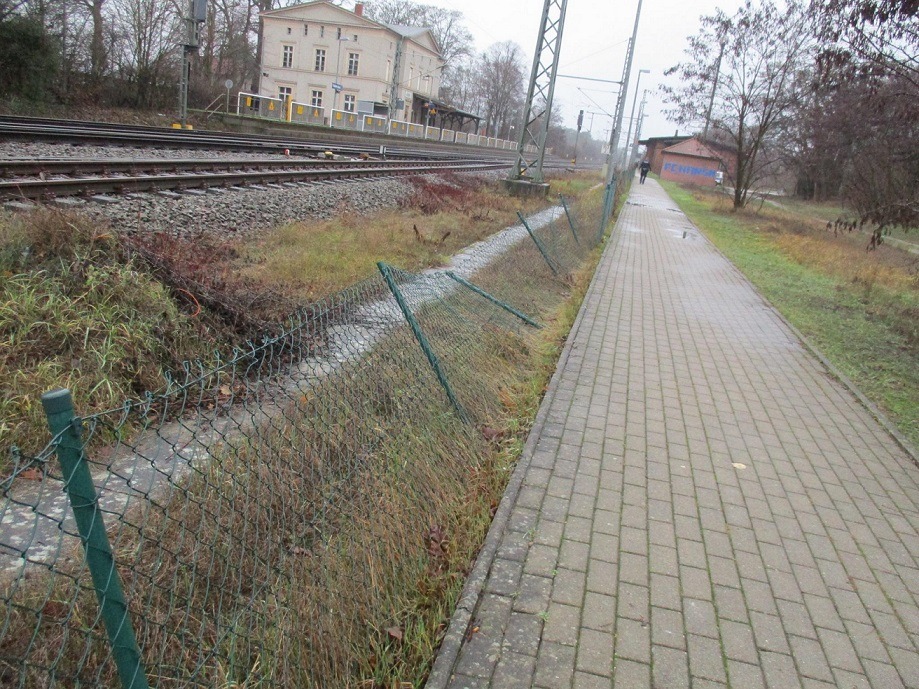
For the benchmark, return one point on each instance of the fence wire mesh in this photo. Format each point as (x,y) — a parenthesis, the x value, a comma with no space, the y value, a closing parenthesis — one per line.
(267,514)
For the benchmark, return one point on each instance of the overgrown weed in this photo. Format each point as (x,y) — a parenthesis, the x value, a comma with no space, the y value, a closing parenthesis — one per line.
(76,312)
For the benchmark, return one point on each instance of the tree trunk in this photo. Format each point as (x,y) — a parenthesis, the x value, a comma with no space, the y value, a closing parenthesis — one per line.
(97,45)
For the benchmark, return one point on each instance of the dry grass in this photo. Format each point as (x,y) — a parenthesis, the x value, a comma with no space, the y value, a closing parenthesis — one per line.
(325,546)
(311,259)
(76,312)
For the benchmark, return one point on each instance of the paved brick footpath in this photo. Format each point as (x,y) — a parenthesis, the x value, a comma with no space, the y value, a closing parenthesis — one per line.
(705,505)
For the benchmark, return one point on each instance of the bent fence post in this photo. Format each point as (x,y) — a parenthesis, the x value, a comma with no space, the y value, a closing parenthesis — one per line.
(78,482)
(608,200)
(538,244)
(574,232)
(422,339)
(494,300)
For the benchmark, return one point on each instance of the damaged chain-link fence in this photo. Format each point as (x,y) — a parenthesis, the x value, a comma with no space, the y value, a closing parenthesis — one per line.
(258,522)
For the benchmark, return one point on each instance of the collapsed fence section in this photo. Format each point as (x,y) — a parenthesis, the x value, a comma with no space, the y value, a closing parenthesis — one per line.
(266,520)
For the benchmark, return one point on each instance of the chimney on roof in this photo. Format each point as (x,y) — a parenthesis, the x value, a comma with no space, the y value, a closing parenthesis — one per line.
(359,9)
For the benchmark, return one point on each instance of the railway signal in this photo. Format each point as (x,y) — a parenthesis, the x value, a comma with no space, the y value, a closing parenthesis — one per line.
(197,15)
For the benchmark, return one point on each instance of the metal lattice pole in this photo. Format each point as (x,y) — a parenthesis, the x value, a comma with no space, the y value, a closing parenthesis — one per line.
(531,149)
(617,127)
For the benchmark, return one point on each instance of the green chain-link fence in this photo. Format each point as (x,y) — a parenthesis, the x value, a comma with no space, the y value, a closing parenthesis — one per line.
(252,524)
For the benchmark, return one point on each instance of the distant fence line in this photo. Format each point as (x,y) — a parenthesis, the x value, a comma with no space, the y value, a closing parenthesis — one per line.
(286,110)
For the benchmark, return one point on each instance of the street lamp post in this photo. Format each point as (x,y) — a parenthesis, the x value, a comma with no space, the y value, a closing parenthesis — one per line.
(337,73)
(628,138)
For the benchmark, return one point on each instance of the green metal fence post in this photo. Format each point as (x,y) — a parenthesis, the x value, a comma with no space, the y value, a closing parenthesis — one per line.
(422,339)
(607,208)
(494,300)
(538,244)
(574,232)
(78,483)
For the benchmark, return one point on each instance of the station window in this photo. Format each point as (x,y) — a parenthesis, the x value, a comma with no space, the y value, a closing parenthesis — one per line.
(287,59)
(320,59)
(353,59)
(285,92)
(316,100)
(350,102)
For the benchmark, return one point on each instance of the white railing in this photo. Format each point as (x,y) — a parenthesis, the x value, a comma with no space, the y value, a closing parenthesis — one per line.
(372,123)
(342,119)
(260,106)
(306,113)
(254,105)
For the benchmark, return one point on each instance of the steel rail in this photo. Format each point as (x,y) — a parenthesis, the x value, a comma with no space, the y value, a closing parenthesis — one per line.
(18,168)
(50,188)
(107,134)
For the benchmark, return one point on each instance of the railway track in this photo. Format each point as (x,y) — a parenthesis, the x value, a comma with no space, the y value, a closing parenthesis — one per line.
(55,178)
(15,128)
(291,160)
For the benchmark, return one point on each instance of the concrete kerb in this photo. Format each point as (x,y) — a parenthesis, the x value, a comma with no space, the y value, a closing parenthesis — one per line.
(470,598)
(879,416)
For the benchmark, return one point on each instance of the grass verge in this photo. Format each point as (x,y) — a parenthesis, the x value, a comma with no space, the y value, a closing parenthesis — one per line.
(860,308)
(309,259)
(111,317)
(77,312)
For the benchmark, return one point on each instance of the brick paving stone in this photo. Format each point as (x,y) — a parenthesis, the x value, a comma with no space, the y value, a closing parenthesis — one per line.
(595,652)
(555,666)
(738,642)
(561,624)
(638,555)
(670,668)
(514,671)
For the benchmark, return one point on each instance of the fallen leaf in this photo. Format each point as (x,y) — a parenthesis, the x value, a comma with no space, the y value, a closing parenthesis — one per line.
(31,474)
(490,433)
(395,632)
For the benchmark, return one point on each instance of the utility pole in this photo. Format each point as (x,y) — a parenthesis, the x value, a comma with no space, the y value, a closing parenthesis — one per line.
(577,136)
(617,128)
(197,16)
(628,137)
(538,107)
(396,75)
(641,116)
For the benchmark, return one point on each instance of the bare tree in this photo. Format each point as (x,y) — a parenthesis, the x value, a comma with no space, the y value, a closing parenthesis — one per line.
(869,69)
(97,52)
(453,38)
(149,35)
(501,76)
(762,50)
(880,35)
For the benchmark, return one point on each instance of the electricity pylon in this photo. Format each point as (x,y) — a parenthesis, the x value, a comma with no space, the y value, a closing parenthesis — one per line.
(531,149)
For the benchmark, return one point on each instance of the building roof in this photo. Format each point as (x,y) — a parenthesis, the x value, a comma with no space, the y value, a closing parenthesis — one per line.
(410,32)
(693,147)
(663,139)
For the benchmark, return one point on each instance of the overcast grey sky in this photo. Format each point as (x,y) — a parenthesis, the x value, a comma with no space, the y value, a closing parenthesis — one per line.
(594,44)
